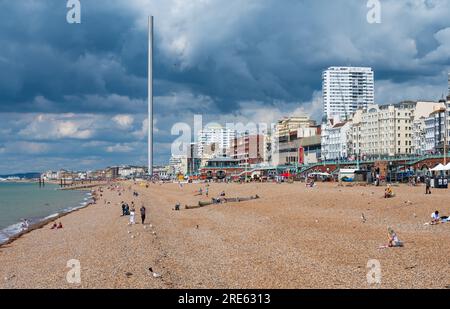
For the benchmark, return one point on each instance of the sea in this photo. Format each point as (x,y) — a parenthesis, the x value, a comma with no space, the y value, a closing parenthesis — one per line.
(20,201)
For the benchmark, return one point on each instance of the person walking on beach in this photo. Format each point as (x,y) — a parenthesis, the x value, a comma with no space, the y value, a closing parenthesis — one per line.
(143,214)
(132,213)
(428,185)
(123,208)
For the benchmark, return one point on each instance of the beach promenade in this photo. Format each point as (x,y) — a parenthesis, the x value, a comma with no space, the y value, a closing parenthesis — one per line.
(292,237)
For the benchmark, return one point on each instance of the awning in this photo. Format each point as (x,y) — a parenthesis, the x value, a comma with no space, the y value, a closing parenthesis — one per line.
(440,167)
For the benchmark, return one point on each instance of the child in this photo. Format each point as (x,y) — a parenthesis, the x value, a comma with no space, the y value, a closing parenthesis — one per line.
(435,219)
(393,239)
(388,193)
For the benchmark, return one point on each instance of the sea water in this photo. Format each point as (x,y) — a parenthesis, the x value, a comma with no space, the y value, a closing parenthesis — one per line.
(29,201)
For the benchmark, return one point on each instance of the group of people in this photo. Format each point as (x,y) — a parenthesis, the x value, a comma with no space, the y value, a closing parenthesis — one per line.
(200,191)
(127,211)
(56,226)
(220,199)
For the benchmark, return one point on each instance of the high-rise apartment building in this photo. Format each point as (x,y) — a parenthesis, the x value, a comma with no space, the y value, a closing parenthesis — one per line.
(214,141)
(345,89)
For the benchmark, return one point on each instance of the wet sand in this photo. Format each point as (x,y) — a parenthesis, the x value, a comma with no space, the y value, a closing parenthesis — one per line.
(293,237)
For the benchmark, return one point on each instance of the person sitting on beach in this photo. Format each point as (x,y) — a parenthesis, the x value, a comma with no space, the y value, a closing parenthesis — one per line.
(435,219)
(54,226)
(310,183)
(388,192)
(59,226)
(223,193)
(393,239)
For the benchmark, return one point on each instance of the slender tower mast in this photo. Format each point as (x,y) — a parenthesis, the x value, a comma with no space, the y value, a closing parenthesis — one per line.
(150,96)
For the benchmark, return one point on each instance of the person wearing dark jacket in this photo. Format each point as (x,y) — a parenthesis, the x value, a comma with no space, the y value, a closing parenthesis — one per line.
(143,210)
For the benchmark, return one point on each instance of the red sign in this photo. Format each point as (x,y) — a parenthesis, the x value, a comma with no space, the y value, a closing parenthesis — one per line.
(301,155)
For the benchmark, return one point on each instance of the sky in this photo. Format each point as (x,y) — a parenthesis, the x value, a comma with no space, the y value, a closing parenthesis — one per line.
(75,95)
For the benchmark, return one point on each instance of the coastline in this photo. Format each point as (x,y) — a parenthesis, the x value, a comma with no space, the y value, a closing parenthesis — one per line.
(40,224)
(89,199)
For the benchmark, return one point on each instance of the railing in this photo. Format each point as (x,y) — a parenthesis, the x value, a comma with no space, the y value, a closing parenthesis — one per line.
(409,159)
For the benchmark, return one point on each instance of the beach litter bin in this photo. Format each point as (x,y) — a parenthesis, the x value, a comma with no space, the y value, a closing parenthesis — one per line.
(441,182)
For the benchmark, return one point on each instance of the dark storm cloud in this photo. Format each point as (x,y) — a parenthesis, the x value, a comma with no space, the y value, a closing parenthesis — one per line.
(62,85)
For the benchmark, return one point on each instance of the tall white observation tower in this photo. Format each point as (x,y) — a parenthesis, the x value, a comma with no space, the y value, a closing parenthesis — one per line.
(150,96)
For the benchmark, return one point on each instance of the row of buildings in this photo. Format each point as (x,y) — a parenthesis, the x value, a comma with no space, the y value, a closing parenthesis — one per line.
(124,171)
(353,127)
(403,129)
(291,141)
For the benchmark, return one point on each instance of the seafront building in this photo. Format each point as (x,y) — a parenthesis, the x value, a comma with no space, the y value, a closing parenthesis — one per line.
(419,146)
(436,130)
(335,141)
(286,126)
(346,89)
(383,130)
(214,141)
(247,149)
(130,171)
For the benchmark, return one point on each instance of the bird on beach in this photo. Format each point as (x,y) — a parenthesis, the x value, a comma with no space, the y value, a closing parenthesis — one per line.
(155,275)
(363,218)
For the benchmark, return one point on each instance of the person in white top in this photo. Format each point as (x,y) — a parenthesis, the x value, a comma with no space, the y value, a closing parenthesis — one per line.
(435,217)
(132,213)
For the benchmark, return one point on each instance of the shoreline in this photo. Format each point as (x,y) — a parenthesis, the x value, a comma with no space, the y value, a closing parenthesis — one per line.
(40,225)
(41,222)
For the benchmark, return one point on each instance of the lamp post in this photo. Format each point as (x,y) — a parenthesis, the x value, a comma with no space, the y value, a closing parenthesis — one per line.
(446,130)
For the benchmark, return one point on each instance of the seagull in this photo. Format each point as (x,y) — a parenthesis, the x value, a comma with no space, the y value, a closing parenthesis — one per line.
(363,218)
(155,275)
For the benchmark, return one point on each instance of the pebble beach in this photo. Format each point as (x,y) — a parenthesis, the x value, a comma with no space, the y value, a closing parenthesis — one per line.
(291,237)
